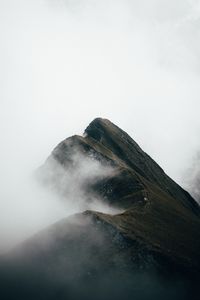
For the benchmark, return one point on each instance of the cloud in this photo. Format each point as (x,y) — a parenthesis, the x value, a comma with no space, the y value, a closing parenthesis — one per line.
(192,177)
(73,179)
(65,62)
(136,63)
(27,205)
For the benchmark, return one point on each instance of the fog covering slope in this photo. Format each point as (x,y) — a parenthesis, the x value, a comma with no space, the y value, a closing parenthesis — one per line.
(146,247)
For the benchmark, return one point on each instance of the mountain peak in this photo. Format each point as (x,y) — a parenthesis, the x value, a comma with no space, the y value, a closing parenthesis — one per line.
(110,135)
(100,120)
(156,231)
(136,169)
(97,128)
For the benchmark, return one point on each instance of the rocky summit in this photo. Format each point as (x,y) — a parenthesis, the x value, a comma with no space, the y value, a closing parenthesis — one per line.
(147,250)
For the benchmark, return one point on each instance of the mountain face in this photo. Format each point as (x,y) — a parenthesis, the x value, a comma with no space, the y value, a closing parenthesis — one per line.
(149,250)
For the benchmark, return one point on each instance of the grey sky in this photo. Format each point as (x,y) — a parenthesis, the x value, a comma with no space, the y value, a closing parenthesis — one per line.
(65,62)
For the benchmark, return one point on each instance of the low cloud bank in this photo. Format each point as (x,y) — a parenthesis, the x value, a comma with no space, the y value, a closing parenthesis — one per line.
(27,205)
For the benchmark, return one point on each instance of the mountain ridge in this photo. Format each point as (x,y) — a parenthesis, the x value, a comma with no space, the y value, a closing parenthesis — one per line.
(155,237)
(93,140)
(137,192)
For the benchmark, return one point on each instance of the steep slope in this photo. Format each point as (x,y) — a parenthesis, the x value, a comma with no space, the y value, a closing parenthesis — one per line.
(150,249)
(157,210)
(123,146)
(111,145)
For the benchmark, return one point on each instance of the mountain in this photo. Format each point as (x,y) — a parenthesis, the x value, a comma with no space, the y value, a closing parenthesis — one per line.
(149,250)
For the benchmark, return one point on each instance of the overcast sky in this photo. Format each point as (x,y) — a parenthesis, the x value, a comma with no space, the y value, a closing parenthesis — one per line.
(65,62)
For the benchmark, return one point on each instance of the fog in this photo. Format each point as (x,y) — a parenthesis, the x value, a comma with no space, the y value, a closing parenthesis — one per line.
(33,201)
(192,177)
(64,62)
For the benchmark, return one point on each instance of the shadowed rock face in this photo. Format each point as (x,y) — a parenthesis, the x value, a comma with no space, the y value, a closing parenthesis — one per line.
(150,250)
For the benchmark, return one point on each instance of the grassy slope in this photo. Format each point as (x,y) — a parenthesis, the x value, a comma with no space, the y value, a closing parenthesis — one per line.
(167,221)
